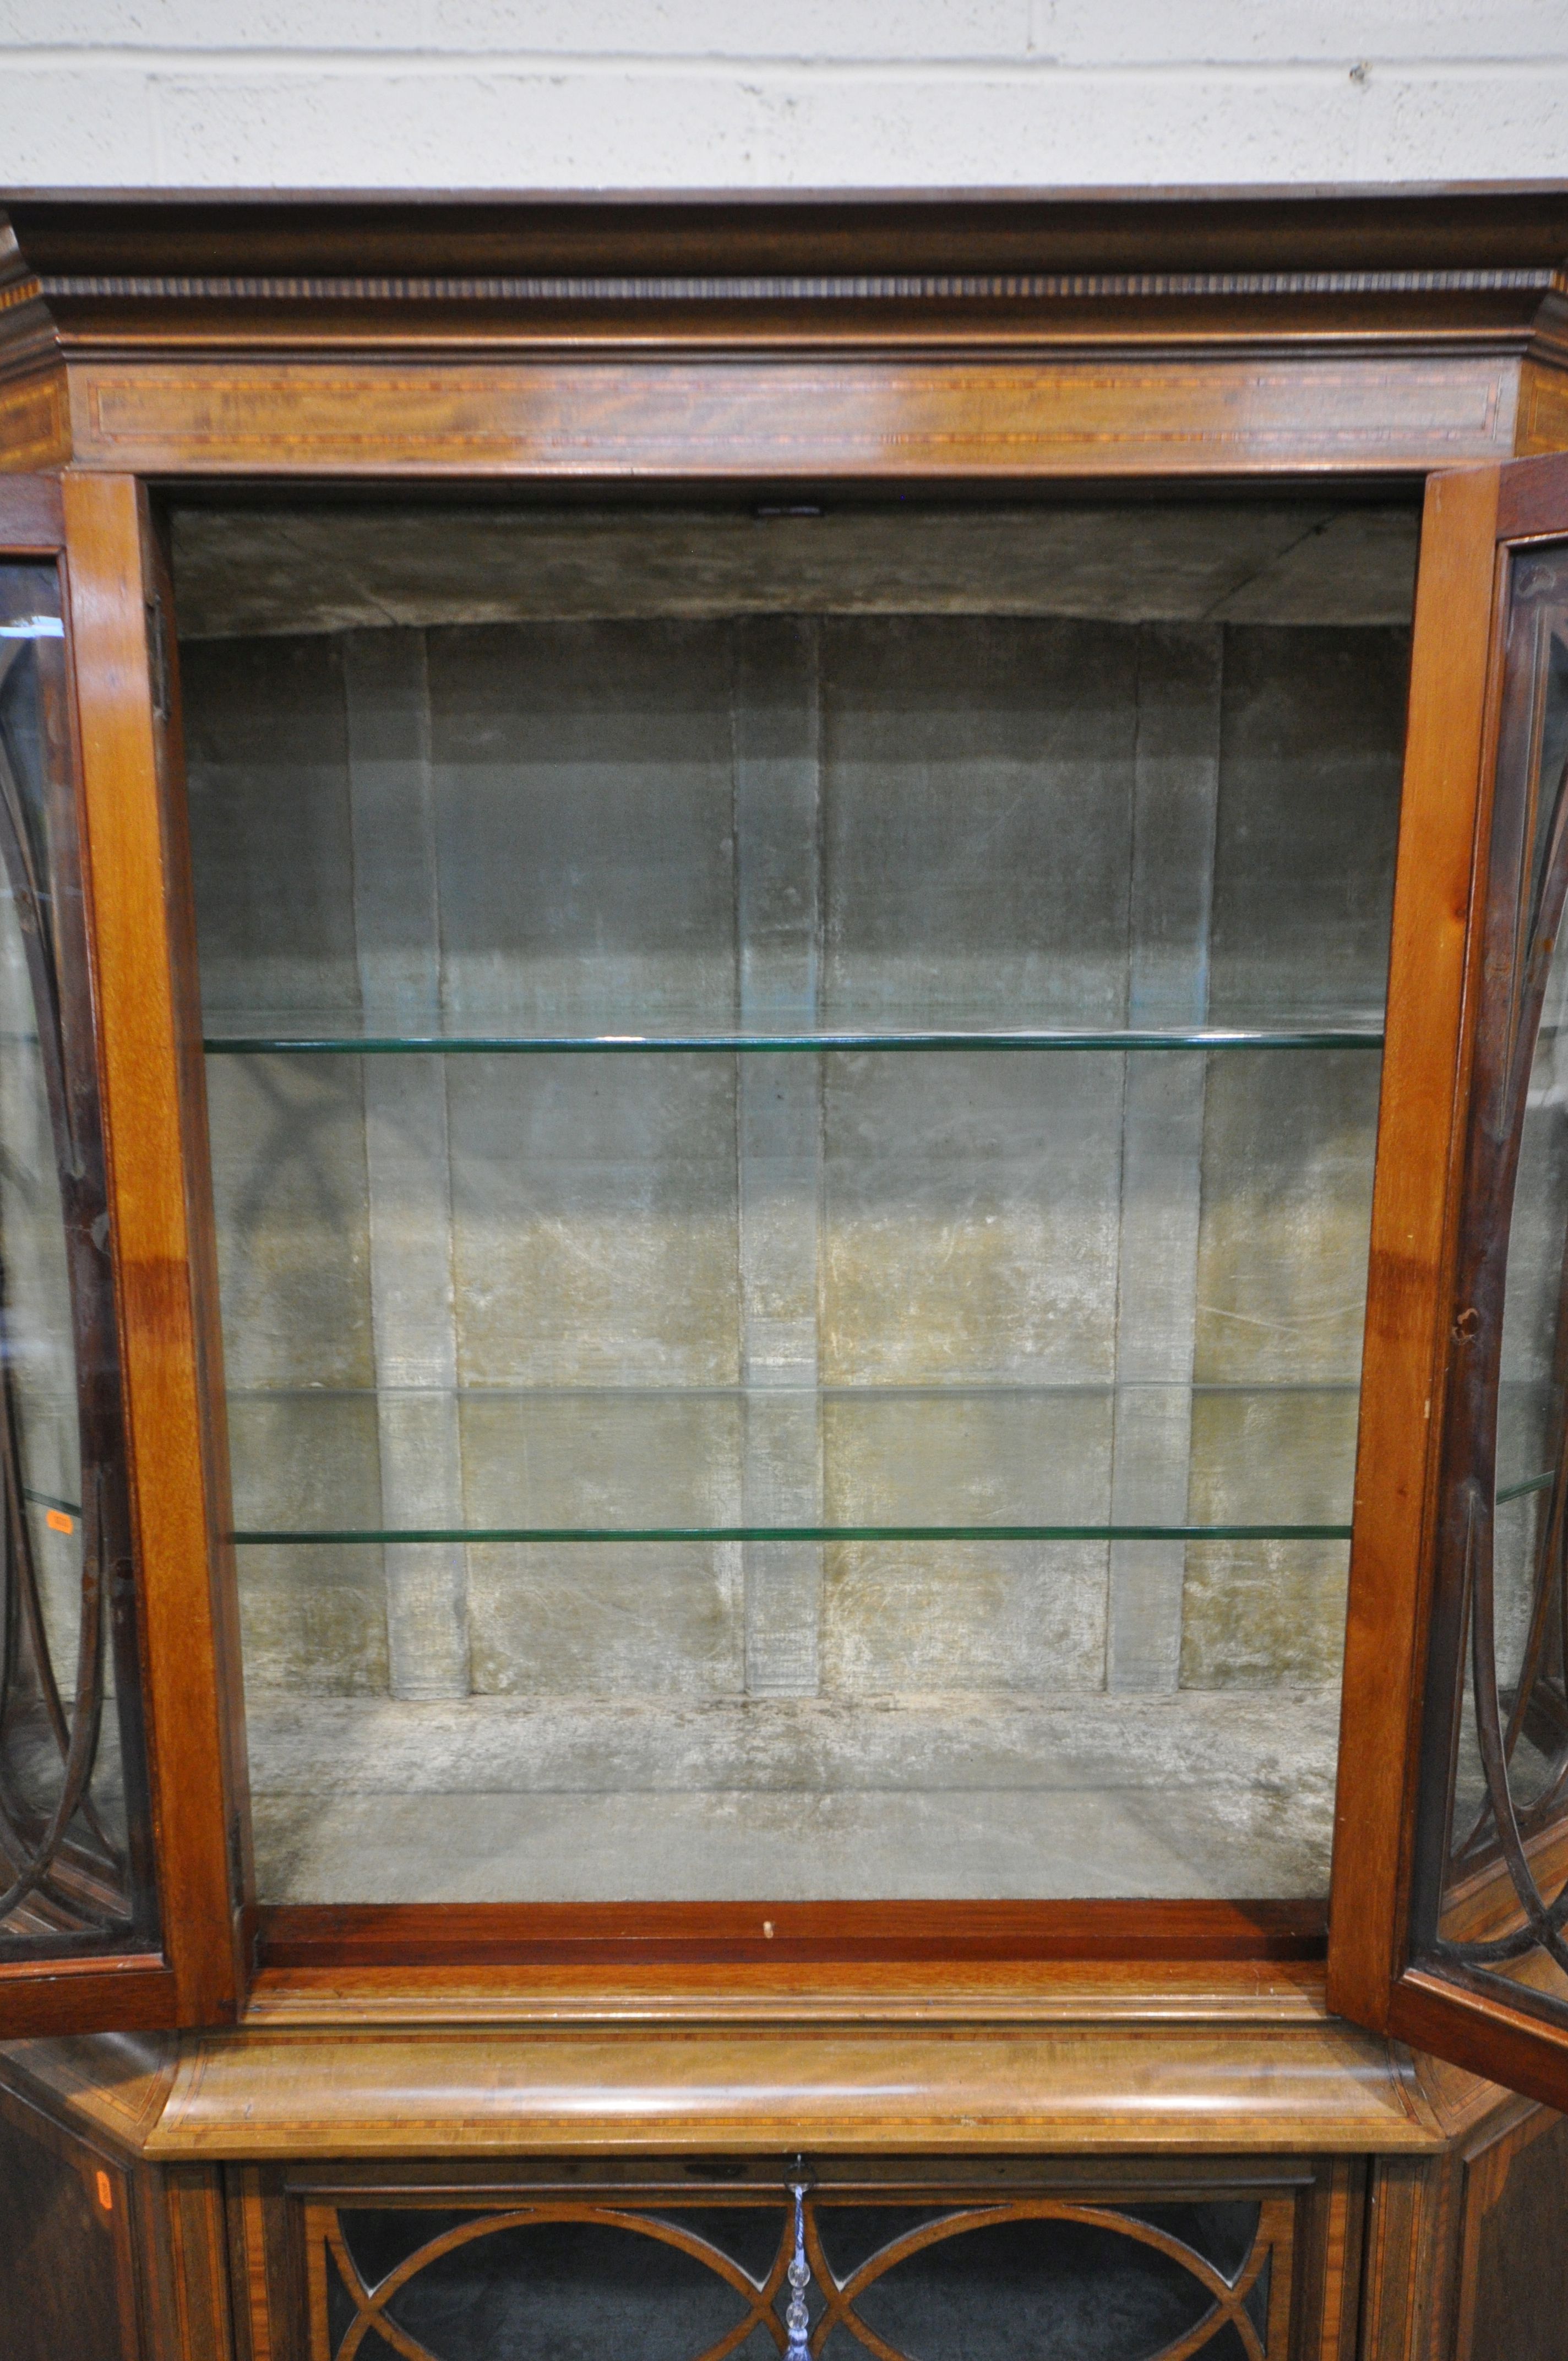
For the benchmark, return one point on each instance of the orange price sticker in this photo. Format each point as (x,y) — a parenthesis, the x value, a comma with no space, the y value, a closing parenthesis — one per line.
(106,2192)
(58,1522)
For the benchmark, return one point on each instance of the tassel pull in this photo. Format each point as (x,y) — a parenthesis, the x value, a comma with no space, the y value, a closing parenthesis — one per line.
(800,2280)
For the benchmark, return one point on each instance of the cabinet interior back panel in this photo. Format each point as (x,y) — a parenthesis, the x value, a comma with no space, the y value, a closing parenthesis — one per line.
(939,1454)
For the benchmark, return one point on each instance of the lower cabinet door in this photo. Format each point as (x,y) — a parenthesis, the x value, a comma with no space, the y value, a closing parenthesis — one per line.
(1451,2257)
(694,2260)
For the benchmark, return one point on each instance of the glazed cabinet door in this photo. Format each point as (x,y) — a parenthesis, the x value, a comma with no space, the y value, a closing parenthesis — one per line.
(115,1907)
(1450,1898)
(696,2257)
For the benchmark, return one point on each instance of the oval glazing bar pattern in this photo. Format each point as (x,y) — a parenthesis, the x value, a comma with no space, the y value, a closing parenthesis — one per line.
(1501,1630)
(73,1871)
(1012,2278)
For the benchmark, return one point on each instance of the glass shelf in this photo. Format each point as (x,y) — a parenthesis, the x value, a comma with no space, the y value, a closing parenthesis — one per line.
(798,1463)
(1523,1486)
(433,1535)
(351,1032)
(781,1463)
(568,1610)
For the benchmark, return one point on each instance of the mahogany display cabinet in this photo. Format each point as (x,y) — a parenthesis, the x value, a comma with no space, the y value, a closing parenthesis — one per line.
(784,1278)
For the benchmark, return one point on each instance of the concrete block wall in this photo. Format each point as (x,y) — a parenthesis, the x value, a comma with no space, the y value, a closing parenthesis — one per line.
(779,93)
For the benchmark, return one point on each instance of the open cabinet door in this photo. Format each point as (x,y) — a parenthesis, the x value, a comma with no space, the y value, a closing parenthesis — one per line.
(115,1907)
(1449,1910)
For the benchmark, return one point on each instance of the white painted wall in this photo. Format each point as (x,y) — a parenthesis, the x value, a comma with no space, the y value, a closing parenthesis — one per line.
(779,93)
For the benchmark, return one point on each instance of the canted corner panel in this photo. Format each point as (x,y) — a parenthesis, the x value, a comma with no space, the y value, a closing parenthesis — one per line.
(1510,2194)
(1542,408)
(921,419)
(1544,381)
(35,424)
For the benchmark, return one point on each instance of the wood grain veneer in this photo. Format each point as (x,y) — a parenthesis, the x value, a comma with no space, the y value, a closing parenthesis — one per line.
(503,1934)
(1422,1103)
(1386,1893)
(68,2240)
(35,422)
(65,1995)
(1505,2217)
(137,1989)
(1071,2090)
(1542,423)
(970,1992)
(783,420)
(1513,2046)
(125,864)
(32,516)
(186,233)
(1276,2074)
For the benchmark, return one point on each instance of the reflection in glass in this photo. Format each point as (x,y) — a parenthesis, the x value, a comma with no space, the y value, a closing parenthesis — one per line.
(1505,1897)
(70,1870)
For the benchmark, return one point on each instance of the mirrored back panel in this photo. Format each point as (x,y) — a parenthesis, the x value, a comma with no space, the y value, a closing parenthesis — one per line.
(793,1104)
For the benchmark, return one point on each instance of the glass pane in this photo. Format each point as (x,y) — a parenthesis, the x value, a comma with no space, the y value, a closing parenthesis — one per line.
(577,2283)
(466,2286)
(1504,1868)
(63,2276)
(72,1827)
(792,1192)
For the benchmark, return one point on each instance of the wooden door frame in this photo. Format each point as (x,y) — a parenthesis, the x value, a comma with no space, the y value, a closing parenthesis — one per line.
(1414,1318)
(96,529)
